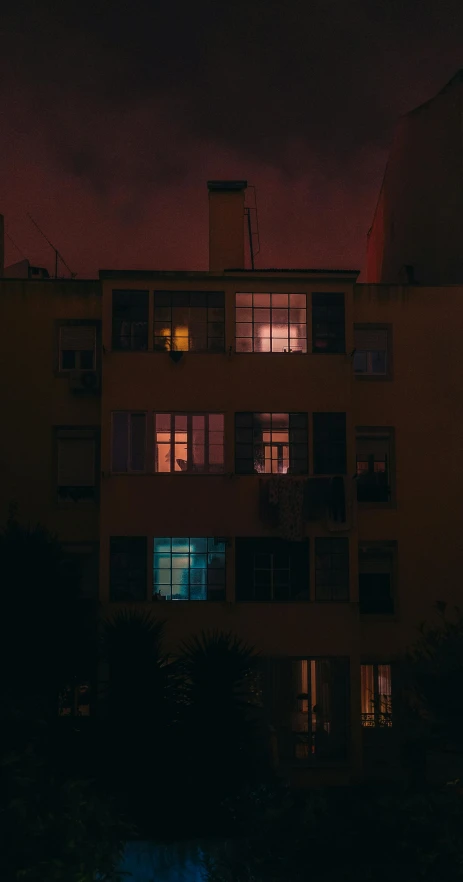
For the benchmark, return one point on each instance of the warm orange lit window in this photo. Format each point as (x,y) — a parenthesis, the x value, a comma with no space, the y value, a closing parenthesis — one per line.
(319,720)
(189,442)
(376,695)
(271,323)
(189,321)
(271,443)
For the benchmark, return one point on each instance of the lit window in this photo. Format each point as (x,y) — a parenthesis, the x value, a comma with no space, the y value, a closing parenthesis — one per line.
(130,320)
(77,348)
(76,465)
(319,720)
(331,568)
(189,321)
(371,355)
(376,695)
(271,323)
(328,323)
(189,442)
(188,569)
(271,443)
(128,442)
(74,700)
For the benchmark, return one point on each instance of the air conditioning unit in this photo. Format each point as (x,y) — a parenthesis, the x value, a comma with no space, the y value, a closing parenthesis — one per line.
(84,382)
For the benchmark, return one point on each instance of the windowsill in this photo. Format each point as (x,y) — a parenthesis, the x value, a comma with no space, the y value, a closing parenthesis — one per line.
(166,474)
(371,618)
(236,352)
(367,506)
(381,378)
(168,352)
(79,503)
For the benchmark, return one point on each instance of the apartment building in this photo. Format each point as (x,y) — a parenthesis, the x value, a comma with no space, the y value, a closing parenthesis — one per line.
(270,452)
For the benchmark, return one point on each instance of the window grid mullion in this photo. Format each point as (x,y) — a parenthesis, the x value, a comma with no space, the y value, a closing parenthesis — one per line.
(172,446)
(207,417)
(189,447)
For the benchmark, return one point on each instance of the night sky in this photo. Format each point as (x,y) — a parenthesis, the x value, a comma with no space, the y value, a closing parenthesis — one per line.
(113,115)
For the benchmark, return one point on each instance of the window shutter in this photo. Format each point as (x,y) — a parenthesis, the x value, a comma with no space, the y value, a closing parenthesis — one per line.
(77,337)
(374,340)
(76,462)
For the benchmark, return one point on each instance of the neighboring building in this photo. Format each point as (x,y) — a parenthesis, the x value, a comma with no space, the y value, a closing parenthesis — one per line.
(279,458)
(417,233)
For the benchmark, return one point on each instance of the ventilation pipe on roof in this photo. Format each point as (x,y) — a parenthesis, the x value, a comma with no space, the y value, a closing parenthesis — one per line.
(226,225)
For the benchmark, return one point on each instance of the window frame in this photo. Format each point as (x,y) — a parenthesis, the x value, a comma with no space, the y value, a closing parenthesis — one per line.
(378,433)
(131,291)
(157,596)
(391,546)
(376,326)
(314,307)
(86,433)
(126,599)
(377,713)
(318,443)
(271,294)
(317,554)
(254,426)
(189,432)
(189,296)
(251,547)
(129,470)
(298,698)
(63,373)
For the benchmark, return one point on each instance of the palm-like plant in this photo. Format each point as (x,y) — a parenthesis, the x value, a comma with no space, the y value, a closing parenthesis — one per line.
(220,715)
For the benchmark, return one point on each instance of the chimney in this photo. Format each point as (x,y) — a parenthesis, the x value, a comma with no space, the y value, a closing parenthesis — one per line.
(2,245)
(226,225)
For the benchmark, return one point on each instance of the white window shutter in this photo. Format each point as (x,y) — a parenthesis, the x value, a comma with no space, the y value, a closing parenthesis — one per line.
(77,337)
(371,341)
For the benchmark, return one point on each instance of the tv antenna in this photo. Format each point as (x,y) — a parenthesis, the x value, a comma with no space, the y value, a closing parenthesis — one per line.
(14,244)
(58,256)
(251,232)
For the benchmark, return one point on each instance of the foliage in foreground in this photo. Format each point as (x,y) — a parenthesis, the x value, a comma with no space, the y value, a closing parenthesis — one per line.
(359,835)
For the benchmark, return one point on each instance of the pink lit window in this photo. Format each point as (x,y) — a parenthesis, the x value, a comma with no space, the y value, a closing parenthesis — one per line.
(271,323)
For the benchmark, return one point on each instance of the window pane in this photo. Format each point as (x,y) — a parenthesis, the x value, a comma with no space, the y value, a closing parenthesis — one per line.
(120,442)
(138,430)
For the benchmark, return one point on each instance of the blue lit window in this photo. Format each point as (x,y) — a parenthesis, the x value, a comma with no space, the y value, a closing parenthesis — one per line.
(188,569)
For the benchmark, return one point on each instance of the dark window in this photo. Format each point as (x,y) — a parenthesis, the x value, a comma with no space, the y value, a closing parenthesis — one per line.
(130,320)
(127,568)
(371,351)
(271,443)
(375,579)
(189,569)
(373,453)
(189,321)
(186,443)
(271,323)
(81,563)
(77,345)
(128,442)
(329,444)
(328,323)
(376,695)
(272,569)
(319,720)
(76,467)
(331,569)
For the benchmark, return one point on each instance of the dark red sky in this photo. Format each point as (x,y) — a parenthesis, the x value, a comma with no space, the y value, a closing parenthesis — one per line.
(114,115)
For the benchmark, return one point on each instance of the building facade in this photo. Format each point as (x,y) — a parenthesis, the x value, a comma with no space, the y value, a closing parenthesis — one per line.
(272,453)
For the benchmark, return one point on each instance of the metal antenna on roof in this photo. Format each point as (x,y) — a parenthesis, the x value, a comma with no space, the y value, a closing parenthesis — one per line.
(251,232)
(15,246)
(57,253)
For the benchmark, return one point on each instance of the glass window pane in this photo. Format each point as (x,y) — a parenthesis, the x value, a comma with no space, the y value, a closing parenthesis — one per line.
(298,300)
(244,299)
(120,442)
(261,300)
(243,315)
(279,300)
(243,329)
(138,432)
(244,344)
